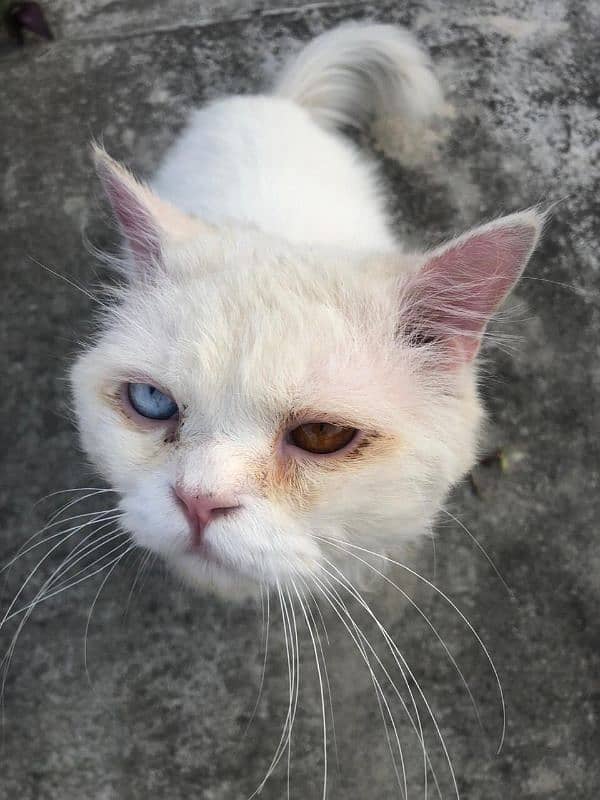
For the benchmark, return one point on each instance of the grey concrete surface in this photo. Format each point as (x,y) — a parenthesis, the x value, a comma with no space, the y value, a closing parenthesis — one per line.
(87,19)
(173,677)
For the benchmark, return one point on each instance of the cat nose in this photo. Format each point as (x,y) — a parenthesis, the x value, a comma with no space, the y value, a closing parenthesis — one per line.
(200,509)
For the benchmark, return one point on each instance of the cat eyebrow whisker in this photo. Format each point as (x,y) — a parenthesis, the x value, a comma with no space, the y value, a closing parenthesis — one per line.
(64,279)
(578,290)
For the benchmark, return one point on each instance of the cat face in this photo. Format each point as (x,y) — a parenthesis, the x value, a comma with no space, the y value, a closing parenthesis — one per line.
(253,402)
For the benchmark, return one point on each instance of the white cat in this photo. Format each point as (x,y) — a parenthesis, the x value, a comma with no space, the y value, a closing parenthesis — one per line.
(279,381)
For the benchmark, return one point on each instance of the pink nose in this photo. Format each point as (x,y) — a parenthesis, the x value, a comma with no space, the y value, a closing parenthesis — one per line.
(200,509)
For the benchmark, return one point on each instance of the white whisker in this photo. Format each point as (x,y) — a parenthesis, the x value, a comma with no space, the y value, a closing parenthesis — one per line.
(95,489)
(432,627)
(339,544)
(322,651)
(396,654)
(63,278)
(71,582)
(98,516)
(296,691)
(82,554)
(35,569)
(265,601)
(115,564)
(403,666)
(328,592)
(143,563)
(41,595)
(279,750)
(482,549)
(312,637)
(74,502)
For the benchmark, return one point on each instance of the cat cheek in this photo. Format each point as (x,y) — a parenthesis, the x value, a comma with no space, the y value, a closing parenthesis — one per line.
(287,482)
(301,482)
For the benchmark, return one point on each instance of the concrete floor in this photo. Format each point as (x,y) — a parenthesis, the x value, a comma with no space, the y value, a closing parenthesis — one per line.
(172,681)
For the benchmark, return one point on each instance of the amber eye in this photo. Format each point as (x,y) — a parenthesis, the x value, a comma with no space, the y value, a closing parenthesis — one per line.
(321,437)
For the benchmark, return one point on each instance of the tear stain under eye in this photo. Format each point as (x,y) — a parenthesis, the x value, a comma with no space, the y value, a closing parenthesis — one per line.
(285,480)
(371,447)
(172,436)
(296,481)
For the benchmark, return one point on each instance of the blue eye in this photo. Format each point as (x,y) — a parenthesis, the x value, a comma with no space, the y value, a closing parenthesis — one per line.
(151,402)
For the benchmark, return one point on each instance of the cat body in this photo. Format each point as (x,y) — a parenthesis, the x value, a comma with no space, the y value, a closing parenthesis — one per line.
(264,162)
(278,381)
(278,161)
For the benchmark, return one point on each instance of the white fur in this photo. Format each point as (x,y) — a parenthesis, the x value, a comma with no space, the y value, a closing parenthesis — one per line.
(263,161)
(357,73)
(287,296)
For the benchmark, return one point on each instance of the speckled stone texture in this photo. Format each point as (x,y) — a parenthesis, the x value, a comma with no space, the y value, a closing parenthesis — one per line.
(173,680)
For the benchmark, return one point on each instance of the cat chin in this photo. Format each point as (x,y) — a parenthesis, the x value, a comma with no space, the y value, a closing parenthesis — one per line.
(205,577)
(226,582)
(369,576)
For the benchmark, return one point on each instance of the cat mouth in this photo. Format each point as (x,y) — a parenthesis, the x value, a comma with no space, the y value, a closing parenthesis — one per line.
(201,550)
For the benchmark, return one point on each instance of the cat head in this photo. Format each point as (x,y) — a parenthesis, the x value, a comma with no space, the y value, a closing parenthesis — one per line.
(261,406)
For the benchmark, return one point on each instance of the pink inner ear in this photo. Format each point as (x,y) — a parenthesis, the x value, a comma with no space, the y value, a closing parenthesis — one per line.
(134,218)
(462,283)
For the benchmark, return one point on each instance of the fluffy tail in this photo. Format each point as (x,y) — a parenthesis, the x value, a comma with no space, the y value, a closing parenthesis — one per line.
(358,73)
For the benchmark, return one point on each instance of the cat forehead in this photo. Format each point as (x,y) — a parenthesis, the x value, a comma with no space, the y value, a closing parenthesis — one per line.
(255,337)
(260,303)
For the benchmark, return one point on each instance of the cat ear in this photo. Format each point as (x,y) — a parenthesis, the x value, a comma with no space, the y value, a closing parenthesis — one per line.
(459,286)
(146,221)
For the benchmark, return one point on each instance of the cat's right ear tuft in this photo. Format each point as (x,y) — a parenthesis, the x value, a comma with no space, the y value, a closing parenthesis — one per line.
(146,221)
